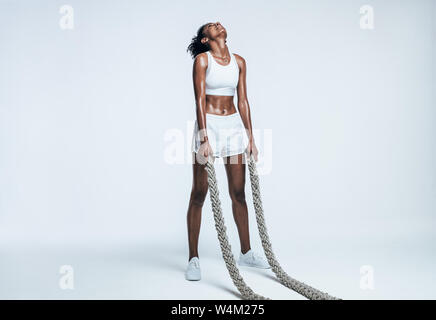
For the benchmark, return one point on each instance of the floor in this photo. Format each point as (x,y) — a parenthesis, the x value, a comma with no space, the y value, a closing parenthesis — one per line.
(149,271)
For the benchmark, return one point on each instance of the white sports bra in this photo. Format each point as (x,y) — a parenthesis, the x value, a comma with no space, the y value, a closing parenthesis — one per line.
(221,80)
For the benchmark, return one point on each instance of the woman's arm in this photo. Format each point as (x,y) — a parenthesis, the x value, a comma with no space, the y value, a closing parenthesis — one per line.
(199,79)
(243,105)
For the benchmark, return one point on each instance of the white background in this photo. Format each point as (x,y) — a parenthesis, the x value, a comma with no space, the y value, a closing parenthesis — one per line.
(85,180)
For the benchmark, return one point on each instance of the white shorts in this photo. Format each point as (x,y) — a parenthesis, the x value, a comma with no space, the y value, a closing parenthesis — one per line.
(226,134)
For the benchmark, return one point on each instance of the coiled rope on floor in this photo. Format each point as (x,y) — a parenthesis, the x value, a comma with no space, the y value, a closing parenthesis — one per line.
(226,250)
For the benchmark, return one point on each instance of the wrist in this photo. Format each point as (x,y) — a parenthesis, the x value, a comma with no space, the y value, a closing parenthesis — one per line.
(250,136)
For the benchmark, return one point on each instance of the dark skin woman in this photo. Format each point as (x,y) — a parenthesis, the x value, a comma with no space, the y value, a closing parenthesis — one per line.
(212,37)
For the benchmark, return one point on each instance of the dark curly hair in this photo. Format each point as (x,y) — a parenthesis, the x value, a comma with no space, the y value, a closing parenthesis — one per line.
(196,47)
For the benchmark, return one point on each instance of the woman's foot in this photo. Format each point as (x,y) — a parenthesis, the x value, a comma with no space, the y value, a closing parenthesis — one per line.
(193,272)
(252,259)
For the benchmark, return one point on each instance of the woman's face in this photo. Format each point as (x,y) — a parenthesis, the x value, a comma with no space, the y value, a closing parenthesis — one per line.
(214,30)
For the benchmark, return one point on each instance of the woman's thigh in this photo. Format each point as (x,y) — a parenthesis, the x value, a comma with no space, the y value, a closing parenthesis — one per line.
(235,170)
(199,181)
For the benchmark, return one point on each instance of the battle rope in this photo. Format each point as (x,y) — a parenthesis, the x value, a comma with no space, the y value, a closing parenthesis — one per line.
(246,292)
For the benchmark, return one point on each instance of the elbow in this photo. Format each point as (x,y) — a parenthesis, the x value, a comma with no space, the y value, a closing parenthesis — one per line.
(242,103)
(200,100)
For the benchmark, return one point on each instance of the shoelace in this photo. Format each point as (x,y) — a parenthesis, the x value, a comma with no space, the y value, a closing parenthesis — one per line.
(256,256)
(195,263)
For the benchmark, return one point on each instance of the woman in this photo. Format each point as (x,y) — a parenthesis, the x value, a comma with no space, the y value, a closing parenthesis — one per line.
(219,131)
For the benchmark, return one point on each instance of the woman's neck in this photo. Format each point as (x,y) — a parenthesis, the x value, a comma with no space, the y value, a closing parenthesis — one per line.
(219,48)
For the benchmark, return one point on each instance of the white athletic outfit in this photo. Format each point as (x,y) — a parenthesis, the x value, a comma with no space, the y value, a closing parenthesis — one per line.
(226,134)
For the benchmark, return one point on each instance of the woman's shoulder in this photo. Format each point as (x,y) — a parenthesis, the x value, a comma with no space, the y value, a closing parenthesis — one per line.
(201,59)
(240,60)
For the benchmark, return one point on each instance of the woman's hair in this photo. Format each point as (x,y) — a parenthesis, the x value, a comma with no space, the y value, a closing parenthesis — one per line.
(196,47)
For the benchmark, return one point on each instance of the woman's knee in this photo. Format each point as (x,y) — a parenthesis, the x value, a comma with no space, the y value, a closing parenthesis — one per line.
(198,196)
(237,195)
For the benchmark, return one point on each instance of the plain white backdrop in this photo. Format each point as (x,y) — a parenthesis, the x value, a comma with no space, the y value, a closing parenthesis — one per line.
(88,116)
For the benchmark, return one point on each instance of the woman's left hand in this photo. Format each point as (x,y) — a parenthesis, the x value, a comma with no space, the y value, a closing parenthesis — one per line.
(252,149)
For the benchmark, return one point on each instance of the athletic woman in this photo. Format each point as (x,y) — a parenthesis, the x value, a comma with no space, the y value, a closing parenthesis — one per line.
(219,131)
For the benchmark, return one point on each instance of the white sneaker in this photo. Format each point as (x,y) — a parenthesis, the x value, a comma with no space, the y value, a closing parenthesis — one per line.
(193,272)
(252,259)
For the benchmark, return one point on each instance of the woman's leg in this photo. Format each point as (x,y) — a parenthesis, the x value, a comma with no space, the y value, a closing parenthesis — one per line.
(198,195)
(235,169)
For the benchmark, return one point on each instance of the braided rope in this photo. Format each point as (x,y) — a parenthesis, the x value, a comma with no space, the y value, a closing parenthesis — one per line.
(246,292)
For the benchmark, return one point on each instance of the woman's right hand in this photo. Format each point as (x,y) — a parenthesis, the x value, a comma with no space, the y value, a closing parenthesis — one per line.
(205,149)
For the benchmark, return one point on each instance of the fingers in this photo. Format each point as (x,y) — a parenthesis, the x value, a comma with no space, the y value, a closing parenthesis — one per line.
(254,153)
